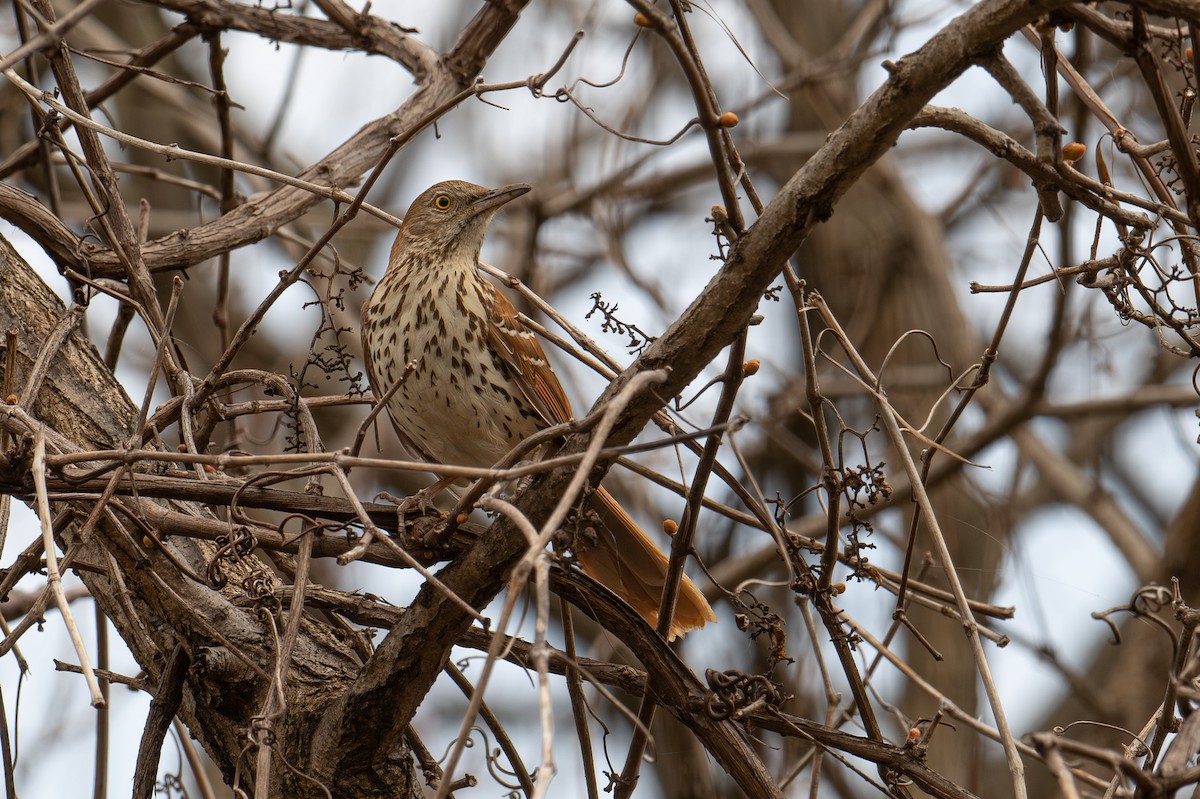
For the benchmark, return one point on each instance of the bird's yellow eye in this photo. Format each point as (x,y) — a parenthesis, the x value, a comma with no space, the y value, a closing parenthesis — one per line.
(442,202)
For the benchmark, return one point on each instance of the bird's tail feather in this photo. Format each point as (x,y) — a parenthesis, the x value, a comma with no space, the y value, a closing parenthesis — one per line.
(632,566)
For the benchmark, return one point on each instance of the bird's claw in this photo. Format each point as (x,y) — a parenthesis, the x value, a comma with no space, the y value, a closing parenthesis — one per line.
(418,504)
(509,489)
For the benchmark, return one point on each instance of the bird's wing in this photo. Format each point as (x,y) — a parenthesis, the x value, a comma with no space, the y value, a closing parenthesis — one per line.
(518,347)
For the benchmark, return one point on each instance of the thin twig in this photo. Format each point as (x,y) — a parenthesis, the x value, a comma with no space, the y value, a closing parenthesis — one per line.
(53,578)
(921,497)
(537,543)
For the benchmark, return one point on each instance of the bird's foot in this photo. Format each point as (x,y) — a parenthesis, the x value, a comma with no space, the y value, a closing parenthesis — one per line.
(418,504)
(509,489)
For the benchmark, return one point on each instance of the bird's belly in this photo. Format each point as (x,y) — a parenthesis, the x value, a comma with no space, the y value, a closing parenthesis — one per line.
(458,415)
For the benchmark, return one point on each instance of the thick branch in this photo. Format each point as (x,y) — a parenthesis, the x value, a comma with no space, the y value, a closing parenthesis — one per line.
(262,215)
(153,605)
(371,35)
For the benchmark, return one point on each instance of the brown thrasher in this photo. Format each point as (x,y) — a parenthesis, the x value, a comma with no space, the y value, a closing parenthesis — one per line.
(482,383)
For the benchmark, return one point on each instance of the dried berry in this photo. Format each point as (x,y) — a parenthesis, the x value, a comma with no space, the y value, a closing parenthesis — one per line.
(1073,151)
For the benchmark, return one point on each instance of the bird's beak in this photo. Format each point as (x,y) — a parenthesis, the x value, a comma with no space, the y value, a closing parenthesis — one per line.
(498,197)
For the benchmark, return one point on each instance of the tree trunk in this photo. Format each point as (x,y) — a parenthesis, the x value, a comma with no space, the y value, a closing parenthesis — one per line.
(230,642)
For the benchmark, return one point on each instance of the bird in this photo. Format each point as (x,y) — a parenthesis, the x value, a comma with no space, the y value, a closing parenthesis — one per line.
(481,383)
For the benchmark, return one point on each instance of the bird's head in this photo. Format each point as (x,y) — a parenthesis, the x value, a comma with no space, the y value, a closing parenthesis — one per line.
(451,218)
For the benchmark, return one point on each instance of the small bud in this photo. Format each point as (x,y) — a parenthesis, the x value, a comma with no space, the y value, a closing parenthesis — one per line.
(914,735)
(11,399)
(670,527)
(210,469)
(1188,53)
(641,20)
(728,120)
(147,542)
(837,588)
(750,367)
(1073,151)
(461,518)
(181,448)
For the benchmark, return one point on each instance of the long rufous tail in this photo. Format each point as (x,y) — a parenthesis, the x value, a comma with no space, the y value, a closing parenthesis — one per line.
(632,566)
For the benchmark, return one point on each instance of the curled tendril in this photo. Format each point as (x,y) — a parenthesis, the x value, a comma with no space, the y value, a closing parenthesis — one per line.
(261,731)
(499,771)
(259,586)
(1146,603)
(170,785)
(1151,599)
(732,691)
(469,743)
(1140,747)
(234,547)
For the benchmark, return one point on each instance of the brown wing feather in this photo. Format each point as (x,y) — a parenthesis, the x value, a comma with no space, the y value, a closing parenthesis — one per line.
(518,346)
